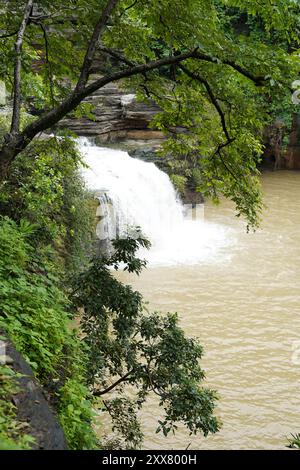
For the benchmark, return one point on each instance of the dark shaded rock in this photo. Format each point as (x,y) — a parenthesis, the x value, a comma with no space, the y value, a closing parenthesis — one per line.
(149,154)
(273,157)
(32,406)
(276,156)
(191,196)
(293,151)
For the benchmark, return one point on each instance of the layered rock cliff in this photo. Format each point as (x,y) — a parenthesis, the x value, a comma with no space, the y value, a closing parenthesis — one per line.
(118,117)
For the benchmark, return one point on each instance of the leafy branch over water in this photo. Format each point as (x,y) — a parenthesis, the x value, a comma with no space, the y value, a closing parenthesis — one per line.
(128,346)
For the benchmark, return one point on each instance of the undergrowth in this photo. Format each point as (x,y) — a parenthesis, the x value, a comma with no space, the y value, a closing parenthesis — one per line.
(44,236)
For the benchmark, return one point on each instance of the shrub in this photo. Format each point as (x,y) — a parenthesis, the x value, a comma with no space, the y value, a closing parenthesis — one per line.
(35,313)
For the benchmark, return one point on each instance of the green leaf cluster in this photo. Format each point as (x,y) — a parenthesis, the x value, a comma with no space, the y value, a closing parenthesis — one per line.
(131,347)
(249,60)
(35,313)
(45,187)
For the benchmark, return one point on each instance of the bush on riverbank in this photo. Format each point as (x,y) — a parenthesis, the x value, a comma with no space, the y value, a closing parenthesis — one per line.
(44,235)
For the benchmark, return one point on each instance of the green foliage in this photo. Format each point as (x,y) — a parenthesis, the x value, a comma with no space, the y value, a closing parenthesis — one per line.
(32,307)
(179,182)
(294,441)
(35,314)
(127,345)
(280,15)
(75,404)
(51,232)
(46,188)
(240,40)
(125,423)
(76,415)
(13,433)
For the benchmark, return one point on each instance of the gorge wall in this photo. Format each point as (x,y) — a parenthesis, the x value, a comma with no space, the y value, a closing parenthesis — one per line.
(282,145)
(118,117)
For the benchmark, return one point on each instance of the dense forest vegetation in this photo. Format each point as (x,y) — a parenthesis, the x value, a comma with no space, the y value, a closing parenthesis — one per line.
(221,71)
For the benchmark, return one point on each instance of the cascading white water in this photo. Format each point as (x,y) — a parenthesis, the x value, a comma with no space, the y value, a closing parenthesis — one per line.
(142,195)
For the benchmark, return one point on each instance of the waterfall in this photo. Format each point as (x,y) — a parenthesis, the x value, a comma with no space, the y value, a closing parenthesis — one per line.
(136,193)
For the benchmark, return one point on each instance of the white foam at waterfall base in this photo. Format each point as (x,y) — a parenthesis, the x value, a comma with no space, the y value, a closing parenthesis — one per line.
(144,196)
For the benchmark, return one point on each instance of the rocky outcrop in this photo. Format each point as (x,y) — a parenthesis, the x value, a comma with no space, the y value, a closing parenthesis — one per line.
(278,156)
(118,117)
(190,195)
(292,157)
(273,156)
(32,406)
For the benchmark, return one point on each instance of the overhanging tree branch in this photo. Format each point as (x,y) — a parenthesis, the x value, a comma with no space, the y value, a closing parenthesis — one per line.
(259,80)
(50,118)
(213,99)
(116,55)
(99,393)
(8,35)
(15,123)
(91,49)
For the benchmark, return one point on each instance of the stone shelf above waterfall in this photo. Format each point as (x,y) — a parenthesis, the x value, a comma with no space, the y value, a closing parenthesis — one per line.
(119,117)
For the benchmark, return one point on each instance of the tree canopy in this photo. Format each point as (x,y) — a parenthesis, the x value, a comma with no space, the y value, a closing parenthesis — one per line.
(214,84)
(220,70)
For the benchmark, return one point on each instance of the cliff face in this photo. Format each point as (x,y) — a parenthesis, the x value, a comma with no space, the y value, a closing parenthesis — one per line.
(118,118)
(292,156)
(32,406)
(276,156)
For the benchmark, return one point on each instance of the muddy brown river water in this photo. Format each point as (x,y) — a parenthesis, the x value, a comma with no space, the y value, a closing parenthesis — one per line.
(245,308)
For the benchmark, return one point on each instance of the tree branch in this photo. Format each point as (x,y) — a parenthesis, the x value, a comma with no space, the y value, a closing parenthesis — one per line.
(52,117)
(13,146)
(8,35)
(218,152)
(116,55)
(212,97)
(99,393)
(259,80)
(128,8)
(15,123)
(90,53)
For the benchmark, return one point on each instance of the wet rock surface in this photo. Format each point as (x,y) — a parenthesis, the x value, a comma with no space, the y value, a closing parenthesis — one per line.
(33,407)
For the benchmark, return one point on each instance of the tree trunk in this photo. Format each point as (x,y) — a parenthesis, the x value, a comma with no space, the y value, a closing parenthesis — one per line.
(5,161)
(7,154)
